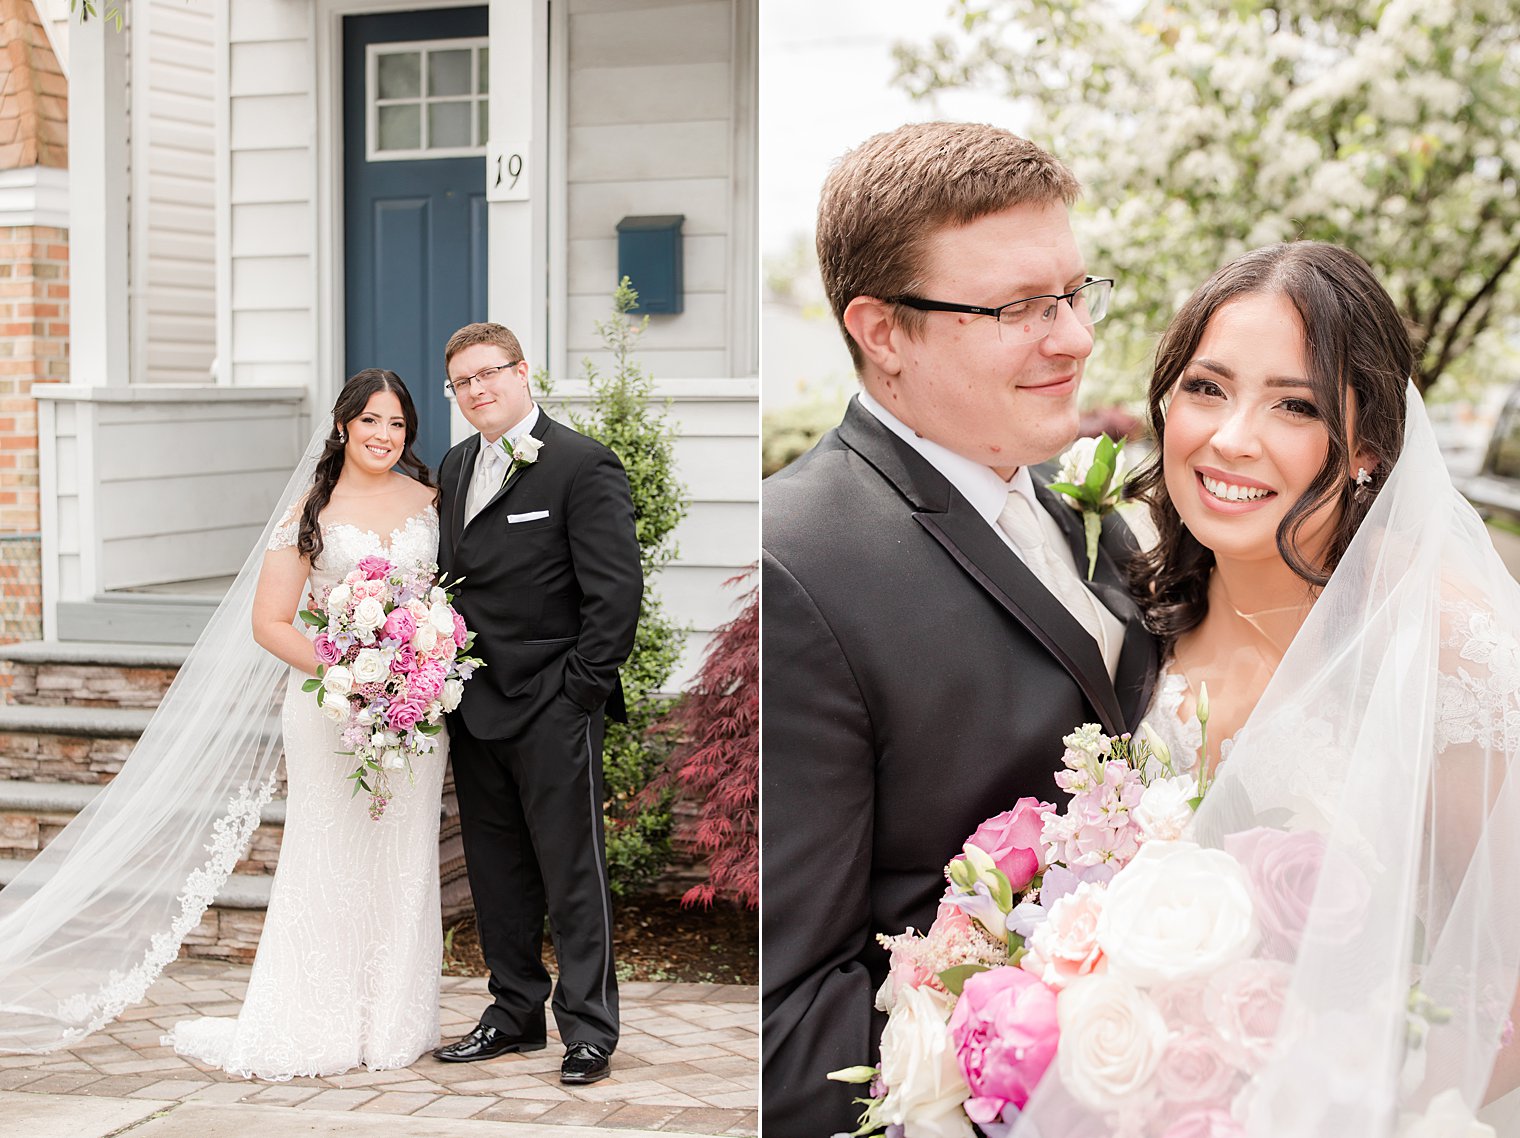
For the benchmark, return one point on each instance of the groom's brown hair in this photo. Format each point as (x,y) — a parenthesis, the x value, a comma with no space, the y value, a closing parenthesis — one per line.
(482,333)
(889,195)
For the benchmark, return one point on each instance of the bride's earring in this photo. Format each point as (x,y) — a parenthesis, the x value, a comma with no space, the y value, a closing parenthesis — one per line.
(342,435)
(1363,481)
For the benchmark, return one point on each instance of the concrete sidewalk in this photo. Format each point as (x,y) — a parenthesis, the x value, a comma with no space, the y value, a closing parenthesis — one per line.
(687,1063)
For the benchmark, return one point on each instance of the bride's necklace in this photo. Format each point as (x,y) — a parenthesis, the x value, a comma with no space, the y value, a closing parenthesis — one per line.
(1282,631)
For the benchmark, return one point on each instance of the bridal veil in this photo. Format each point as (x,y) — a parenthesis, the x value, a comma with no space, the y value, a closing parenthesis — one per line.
(1385,749)
(89,923)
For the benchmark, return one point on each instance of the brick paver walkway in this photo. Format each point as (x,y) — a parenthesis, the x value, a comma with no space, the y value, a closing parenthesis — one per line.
(688,1062)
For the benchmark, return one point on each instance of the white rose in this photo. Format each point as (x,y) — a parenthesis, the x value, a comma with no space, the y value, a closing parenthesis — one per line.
(437,596)
(369,614)
(425,639)
(1112,1040)
(1165,811)
(370,666)
(338,680)
(1175,911)
(526,449)
(1447,1116)
(339,597)
(925,1087)
(1077,461)
(441,619)
(453,692)
(336,709)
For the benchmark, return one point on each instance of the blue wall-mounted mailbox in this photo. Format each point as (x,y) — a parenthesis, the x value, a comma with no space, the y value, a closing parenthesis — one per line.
(649,255)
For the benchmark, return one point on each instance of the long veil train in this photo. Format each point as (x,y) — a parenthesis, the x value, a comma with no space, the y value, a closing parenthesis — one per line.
(89,923)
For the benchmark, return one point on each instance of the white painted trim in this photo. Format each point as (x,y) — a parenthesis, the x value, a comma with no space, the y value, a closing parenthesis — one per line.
(743,222)
(556,357)
(98,217)
(138,32)
(373,102)
(53,12)
(222,193)
(35,195)
(738,389)
(47,499)
(165,393)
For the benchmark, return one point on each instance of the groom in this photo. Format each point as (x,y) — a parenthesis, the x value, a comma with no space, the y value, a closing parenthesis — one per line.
(927,629)
(538,521)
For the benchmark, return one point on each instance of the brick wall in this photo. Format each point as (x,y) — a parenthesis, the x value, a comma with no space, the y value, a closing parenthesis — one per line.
(34,338)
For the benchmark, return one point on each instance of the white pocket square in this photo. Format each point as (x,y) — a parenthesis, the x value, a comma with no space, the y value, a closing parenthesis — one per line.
(531,516)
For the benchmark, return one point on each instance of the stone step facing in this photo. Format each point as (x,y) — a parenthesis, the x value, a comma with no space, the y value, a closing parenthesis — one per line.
(67,744)
(89,674)
(32,814)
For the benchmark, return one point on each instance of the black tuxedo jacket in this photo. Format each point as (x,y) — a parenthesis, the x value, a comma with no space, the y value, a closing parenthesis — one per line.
(918,678)
(552,579)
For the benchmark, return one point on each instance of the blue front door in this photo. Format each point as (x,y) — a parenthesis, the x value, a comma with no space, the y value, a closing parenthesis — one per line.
(414,134)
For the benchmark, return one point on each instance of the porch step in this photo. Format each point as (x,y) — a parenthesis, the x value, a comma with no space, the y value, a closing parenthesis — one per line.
(136,618)
(67,744)
(32,814)
(230,928)
(89,673)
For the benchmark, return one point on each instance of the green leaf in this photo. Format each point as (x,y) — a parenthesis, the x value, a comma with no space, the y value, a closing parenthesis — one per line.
(429,728)
(313,618)
(311,685)
(1071,491)
(1098,475)
(954,979)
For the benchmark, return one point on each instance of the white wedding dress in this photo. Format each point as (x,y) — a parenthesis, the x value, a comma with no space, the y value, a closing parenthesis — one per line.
(349,960)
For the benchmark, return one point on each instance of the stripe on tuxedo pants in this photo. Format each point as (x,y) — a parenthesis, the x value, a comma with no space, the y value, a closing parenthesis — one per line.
(601,869)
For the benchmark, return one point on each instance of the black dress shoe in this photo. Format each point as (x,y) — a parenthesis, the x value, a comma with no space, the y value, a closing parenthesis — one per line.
(487,1043)
(584,1063)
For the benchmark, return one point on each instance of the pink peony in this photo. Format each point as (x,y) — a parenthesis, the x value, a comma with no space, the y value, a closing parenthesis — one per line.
(374,568)
(404,714)
(1005,1034)
(326,651)
(460,631)
(1012,840)
(1288,873)
(400,625)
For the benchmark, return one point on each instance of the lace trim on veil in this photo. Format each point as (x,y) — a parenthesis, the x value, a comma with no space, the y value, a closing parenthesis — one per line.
(233,831)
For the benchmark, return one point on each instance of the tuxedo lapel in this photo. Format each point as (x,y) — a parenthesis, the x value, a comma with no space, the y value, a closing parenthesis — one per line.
(540,429)
(967,537)
(462,490)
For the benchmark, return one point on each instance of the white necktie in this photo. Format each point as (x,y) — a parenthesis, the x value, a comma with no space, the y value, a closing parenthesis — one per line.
(1019,522)
(489,469)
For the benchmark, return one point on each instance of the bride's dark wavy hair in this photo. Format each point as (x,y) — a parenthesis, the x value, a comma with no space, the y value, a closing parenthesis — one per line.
(1354,339)
(350,405)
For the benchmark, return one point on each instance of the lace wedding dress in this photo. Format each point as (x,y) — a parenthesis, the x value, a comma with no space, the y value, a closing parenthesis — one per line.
(348,963)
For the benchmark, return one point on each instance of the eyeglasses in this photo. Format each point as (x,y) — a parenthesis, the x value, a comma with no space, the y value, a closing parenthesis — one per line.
(1031,319)
(458,388)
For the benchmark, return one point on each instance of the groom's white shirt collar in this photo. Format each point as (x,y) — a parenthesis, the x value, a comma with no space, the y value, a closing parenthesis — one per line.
(978,484)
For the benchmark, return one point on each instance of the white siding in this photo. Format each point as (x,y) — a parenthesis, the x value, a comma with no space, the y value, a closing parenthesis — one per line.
(650,131)
(174,158)
(272,185)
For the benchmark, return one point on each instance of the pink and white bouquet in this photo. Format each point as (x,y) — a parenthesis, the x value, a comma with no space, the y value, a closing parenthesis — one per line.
(392,658)
(1150,971)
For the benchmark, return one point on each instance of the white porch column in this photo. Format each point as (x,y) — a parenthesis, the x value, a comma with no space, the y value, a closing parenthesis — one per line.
(518,224)
(98,343)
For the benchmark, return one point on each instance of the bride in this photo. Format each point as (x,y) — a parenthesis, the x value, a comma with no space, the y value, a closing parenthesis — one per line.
(1343,606)
(347,968)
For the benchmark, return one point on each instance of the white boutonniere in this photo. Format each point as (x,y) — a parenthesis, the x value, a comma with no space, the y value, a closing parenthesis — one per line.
(1091,479)
(524,453)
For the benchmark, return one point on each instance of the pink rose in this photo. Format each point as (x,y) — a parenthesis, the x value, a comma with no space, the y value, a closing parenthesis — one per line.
(326,651)
(406,658)
(1195,1069)
(374,568)
(1204,1124)
(369,589)
(1012,840)
(460,631)
(1289,875)
(1065,944)
(1244,1004)
(404,714)
(400,625)
(1005,1034)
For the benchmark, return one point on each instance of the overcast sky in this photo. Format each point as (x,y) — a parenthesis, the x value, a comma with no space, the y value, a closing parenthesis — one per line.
(825,67)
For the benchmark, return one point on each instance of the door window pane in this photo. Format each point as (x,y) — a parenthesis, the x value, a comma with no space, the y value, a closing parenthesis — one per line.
(485,124)
(448,125)
(449,72)
(483,70)
(401,127)
(400,75)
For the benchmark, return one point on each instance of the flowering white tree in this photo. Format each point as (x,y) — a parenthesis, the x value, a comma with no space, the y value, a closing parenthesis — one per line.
(1200,130)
